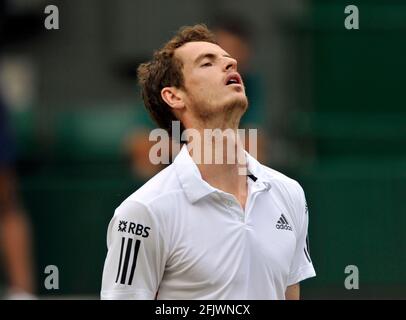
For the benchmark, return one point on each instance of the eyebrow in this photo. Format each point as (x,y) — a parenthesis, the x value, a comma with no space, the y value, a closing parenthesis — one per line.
(210,56)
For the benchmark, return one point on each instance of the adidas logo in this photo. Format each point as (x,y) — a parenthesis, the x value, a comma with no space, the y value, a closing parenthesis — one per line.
(283,224)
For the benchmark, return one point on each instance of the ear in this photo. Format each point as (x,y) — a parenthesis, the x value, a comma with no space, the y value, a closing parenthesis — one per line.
(173,97)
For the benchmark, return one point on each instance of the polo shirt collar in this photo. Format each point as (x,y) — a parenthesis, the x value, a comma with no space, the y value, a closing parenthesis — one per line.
(263,182)
(192,182)
(190,178)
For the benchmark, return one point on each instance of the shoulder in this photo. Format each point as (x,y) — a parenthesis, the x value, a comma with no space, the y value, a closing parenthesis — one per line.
(287,187)
(153,195)
(287,192)
(145,212)
(162,184)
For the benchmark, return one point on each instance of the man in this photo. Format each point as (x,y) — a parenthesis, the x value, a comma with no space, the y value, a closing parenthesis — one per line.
(15,228)
(198,230)
(15,233)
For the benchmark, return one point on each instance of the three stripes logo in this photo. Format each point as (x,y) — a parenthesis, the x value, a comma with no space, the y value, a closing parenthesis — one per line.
(128,260)
(307,250)
(283,224)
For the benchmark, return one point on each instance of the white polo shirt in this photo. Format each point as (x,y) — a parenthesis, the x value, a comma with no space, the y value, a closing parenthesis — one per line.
(177,237)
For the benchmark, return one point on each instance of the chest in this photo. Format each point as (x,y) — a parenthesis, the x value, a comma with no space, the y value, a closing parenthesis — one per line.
(220,242)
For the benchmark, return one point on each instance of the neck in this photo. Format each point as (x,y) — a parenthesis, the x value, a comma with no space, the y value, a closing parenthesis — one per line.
(221,160)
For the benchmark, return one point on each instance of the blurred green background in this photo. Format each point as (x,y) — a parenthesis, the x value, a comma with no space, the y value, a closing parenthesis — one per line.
(335,113)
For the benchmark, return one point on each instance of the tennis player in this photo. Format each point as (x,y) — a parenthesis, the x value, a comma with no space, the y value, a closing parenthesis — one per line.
(200,230)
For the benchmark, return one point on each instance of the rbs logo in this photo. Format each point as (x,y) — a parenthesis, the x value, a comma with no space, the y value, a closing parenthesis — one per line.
(133,228)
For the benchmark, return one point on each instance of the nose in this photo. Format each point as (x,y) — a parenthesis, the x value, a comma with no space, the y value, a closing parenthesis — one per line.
(231,64)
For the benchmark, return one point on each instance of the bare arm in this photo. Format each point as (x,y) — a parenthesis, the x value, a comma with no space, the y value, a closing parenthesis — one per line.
(293,292)
(15,238)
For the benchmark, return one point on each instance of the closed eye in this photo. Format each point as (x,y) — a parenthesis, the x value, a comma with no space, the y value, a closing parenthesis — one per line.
(207,64)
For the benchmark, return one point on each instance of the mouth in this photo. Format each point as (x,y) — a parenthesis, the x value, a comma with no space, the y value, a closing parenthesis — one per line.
(232,79)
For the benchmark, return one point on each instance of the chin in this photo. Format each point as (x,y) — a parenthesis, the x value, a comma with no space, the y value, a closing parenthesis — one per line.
(234,108)
(240,101)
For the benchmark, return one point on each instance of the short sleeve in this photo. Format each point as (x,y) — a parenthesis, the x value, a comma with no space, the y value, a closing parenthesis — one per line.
(301,267)
(135,260)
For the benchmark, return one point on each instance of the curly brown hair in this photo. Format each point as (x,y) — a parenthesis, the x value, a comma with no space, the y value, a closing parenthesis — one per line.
(165,70)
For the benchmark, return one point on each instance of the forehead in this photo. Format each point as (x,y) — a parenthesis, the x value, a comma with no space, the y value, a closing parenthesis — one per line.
(190,51)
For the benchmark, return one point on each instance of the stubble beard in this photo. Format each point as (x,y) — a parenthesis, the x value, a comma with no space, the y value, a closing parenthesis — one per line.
(221,117)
